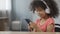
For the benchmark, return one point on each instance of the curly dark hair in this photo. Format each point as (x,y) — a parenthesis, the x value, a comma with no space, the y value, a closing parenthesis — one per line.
(51,4)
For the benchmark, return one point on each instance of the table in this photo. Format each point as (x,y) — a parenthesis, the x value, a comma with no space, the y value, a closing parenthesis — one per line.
(30,33)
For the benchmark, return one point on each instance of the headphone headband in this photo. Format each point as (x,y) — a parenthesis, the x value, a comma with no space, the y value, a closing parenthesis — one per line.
(45,3)
(47,9)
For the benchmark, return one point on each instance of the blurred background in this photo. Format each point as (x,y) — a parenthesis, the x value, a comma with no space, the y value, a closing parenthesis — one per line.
(14,12)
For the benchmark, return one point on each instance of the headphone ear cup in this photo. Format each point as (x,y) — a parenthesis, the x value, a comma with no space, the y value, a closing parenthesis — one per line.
(47,11)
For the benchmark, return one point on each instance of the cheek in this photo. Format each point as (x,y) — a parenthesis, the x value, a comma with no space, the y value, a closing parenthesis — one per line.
(42,14)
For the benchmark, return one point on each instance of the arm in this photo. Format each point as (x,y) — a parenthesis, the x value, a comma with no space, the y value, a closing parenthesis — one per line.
(36,28)
(50,27)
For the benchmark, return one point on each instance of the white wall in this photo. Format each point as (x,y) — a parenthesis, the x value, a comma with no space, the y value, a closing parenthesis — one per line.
(21,11)
(57,20)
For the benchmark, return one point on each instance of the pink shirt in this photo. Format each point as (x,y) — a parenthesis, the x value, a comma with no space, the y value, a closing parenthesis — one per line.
(47,23)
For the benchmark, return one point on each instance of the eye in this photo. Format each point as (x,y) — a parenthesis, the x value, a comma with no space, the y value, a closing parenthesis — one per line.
(40,10)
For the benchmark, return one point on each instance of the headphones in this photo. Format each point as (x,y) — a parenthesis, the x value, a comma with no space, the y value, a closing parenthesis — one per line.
(47,10)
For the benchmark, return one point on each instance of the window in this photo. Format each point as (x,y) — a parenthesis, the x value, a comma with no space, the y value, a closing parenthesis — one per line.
(8,4)
(5,4)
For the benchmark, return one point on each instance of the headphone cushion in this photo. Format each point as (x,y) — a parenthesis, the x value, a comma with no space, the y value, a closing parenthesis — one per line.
(47,11)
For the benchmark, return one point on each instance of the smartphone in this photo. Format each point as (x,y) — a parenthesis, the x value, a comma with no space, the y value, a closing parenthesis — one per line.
(28,20)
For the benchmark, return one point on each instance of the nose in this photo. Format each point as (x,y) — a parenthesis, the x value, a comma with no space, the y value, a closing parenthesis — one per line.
(38,12)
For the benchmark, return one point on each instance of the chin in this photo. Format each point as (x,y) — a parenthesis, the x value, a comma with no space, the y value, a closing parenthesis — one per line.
(42,16)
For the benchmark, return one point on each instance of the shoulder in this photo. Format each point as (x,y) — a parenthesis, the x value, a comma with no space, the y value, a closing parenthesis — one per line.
(50,21)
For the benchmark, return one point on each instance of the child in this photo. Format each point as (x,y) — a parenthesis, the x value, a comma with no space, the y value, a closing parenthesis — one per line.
(47,10)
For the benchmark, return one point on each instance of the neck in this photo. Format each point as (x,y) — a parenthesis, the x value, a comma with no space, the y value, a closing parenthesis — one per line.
(46,17)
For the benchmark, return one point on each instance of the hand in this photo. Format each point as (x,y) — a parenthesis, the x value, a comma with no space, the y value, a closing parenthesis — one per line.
(33,25)
(30,27)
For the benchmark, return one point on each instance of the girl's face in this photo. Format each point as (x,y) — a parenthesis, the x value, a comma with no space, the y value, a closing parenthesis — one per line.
(41,12)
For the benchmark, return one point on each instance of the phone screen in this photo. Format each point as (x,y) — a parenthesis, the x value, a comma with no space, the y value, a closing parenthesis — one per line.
(28,20)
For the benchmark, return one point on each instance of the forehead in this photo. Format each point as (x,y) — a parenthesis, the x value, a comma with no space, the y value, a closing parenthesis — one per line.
(38,8)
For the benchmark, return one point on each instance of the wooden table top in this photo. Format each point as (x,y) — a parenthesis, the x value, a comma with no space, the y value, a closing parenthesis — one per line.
(29,32)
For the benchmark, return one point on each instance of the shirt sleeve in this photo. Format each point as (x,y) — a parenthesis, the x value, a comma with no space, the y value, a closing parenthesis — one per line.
(50,21)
